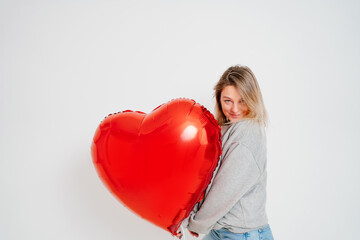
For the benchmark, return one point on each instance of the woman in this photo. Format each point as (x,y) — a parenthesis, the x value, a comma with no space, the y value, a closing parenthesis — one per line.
(234,203)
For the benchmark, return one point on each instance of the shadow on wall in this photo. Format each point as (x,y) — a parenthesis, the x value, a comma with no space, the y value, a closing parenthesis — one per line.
(90,208)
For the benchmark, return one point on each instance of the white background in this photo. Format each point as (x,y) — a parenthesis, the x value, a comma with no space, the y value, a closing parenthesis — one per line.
(65,65)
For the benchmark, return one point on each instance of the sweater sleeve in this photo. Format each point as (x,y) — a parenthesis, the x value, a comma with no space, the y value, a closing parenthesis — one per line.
(237,174)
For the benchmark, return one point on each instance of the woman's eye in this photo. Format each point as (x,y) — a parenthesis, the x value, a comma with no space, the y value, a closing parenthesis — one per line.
(227,101)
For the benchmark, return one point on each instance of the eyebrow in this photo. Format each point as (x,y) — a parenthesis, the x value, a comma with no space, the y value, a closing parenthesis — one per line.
(231,98)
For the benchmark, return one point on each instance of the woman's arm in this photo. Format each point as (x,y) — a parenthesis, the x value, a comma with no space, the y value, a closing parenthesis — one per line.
(237,174)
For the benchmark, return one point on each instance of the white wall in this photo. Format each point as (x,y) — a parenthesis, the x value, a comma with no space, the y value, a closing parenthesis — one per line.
(65,65)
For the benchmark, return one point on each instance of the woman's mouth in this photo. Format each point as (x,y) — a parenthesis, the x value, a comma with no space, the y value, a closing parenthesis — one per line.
(235,115)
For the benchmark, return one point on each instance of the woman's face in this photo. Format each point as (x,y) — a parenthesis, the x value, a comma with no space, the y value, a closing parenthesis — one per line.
(232,104)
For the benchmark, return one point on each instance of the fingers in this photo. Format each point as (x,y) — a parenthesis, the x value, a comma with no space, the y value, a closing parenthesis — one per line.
(194,234)
(179,235)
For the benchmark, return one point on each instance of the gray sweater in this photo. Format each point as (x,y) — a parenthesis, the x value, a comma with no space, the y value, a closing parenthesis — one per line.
(235,199)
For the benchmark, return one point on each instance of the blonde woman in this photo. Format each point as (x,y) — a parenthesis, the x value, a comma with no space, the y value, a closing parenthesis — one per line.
(234,203)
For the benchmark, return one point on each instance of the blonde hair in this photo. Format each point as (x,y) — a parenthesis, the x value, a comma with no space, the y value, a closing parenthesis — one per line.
(245,81)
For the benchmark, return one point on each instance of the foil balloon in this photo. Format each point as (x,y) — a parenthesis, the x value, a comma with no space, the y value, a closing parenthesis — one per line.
(158,164)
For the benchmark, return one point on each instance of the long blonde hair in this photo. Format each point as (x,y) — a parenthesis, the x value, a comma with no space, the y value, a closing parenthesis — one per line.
(245,81)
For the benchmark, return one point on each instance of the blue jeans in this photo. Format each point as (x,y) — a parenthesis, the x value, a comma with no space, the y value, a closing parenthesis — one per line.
(259,234)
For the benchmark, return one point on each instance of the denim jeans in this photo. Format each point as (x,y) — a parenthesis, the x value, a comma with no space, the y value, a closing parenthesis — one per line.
(259,234)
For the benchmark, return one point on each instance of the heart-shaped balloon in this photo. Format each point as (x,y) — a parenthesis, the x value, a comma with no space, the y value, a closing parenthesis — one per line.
(158,164)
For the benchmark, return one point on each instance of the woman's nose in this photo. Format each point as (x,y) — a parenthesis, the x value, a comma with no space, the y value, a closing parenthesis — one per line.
(235,108)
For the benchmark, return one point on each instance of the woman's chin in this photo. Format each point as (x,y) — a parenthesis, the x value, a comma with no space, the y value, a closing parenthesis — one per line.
(232,120)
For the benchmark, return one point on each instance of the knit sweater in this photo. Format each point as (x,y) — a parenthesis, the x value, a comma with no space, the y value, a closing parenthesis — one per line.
(235,198)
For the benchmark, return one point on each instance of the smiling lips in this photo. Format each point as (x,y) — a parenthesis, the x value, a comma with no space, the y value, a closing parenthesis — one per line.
(235,115)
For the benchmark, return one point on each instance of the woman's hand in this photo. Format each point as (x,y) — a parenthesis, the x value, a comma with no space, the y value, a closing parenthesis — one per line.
(179,234)
(194,234)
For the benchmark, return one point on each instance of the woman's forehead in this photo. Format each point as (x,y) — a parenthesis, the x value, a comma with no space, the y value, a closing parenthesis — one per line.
(231,92)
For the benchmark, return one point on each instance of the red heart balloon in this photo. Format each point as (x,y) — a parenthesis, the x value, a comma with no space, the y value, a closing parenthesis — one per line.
(158,164)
